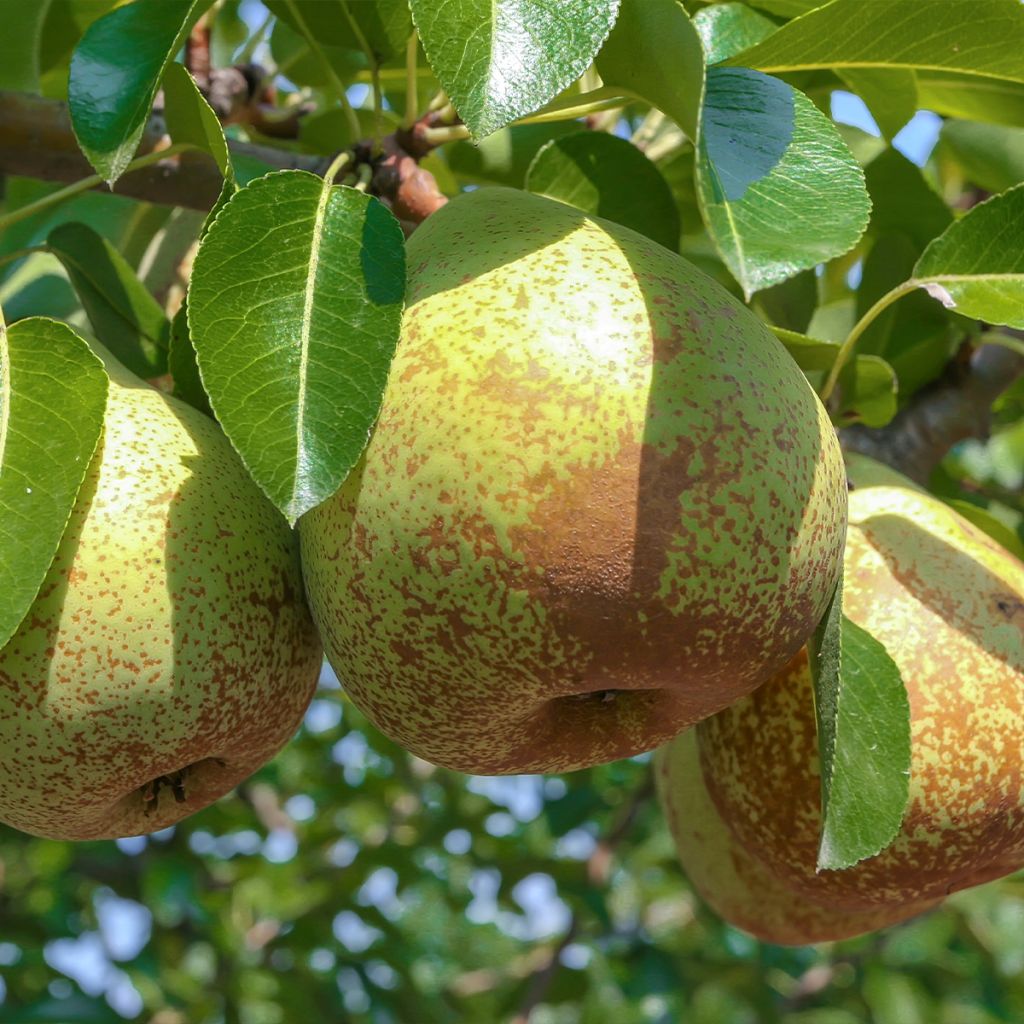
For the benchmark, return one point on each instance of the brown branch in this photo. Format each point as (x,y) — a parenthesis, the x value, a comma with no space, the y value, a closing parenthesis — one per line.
(36,140)
(953,409)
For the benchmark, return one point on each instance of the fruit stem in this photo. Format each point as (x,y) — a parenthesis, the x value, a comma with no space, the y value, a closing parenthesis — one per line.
(45,202)
(338,164)
(846,349)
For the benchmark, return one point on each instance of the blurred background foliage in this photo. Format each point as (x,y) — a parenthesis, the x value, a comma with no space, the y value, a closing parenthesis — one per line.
(348,881)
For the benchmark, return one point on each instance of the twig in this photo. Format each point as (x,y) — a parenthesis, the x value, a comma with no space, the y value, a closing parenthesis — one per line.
(953,409)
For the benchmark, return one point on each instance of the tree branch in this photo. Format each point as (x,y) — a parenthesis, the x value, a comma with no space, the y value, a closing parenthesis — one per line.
(36,140)
(956,407)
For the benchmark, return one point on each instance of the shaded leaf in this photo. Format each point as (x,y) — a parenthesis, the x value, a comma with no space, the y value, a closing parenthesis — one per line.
(328,131)
(769,162)
(989,156)
(294,345)
(863,740)
(66,22)
(20,42)
(300,64)
(191,119)
(181,363)
(977,265)
(115,71)
(729,28)
(915,335)
(502,59)
(504,157)
(900,33)
(608,177)
(124,315)
(867,392)
(383,25)
(654,52)
(980,99)
(53,393)
(890,95)
(902,201)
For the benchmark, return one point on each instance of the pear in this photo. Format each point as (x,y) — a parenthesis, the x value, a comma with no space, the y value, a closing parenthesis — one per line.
(948,604)
(732,881)
(600,503)
(169,652)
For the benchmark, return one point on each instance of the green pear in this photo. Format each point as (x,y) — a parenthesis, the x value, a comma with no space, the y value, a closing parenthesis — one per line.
(601,501)
(732,881)
(948,604)
(169,652)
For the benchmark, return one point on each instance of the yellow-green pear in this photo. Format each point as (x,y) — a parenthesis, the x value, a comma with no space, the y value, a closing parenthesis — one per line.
(169,652)
(948,604)
(601,501)
(733,882)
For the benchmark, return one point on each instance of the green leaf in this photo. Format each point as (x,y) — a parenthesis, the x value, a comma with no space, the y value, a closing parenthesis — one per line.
(890,95)
(867,383)
(125,317)
(300,64)
(383,26)
(115,72)
(329,132)
(53,393)
(989,156)
(985,37)
(727,29)
(181,362)
(654,52)
(191,119)
(294,345)
(66,22)
(19,46)
(979,99)
(915,335)
(902,201)
(977,265)
(786,8)
(501,59)
(863,740)
(867,392)
(504,157)
(769,163)
(608,177)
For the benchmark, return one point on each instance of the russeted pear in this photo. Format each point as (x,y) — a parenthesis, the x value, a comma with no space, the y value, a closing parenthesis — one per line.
(169,652)
(948,604)
(733,882)
(601,502)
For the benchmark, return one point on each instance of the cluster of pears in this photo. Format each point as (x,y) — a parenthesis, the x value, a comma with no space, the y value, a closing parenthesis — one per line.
(601,505)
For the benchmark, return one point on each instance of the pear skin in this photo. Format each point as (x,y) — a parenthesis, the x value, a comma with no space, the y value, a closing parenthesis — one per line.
(601,501)
(169,652)
(948,604)
(733,882)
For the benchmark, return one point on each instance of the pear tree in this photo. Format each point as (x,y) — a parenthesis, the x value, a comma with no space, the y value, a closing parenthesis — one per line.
(511,510)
